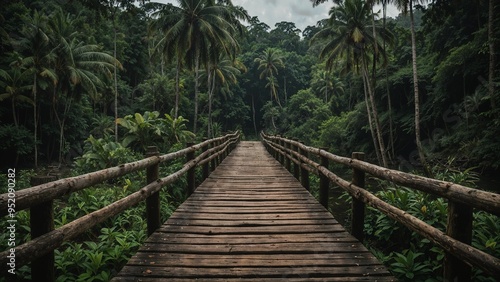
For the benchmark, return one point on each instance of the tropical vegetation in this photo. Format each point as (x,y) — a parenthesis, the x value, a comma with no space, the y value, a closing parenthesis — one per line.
(88,84)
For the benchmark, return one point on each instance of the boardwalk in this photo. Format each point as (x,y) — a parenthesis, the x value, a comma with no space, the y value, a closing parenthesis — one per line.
(251,220)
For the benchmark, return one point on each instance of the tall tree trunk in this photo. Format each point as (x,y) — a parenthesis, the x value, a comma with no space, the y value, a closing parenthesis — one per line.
(491,43)
(376,120)
(196,85)
(391,122)
(370,122)
(211,89)
(13,103)
(177,91)
(386,74)
(284,90)
(371,93)
(116,80)
(415,89)
(35,118)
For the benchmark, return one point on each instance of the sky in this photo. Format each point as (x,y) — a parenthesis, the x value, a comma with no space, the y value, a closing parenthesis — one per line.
(300,12)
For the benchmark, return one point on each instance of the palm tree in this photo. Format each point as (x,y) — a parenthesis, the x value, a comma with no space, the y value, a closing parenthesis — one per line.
(13,84)
(170,52)
(269,62)
(324,82)
(35,42)
(272,84)
(222,72)
(350,36)
(77,65)
(194,29)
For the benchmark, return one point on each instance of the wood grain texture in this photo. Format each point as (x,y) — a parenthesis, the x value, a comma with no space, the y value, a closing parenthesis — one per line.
(251,220)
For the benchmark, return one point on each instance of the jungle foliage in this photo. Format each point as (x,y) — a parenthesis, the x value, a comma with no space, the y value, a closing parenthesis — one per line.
(91,84)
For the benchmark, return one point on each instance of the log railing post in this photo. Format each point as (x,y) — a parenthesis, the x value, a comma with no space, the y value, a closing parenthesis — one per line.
(223,154)
(283,156)
(278,154)
(213,161)
(206,166)
(219,157)
(459,227)
(324,183)
(224,151)
(153,201)
(42,222)
(288,161)
(304,173)
(296,171)
(191,172)
(358,207)
(275,152)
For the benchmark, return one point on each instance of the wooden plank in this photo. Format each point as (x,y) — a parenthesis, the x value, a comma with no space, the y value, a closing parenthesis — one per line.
(277,222)
(245,210)
(289,229)
(182,238)
(250,261)
(275,248)
(249,215)
(251,220)
(251,272)
(260,279)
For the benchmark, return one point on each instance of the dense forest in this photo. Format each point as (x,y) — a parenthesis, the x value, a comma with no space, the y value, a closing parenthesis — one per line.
(70,69)
(89,84)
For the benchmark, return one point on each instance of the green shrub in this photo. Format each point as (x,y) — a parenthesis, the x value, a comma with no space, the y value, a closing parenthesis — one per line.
(102,153)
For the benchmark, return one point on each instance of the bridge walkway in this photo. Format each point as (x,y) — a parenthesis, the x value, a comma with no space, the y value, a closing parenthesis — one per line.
(251,220)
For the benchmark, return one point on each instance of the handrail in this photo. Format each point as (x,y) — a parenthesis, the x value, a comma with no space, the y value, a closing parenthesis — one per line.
(46,243)
(45,192)
(482,200)
(487,201)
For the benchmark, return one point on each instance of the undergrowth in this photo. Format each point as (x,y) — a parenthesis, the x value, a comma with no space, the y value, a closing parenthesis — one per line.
(411,257)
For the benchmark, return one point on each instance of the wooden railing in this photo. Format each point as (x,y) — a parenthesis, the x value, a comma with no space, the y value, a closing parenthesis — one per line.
(456,242)
(39,199)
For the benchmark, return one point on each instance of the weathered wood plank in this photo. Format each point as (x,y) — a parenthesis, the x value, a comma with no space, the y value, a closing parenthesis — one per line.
(251,272)
(251,220)
(190,260)
(249,215)
(275,248)
(257,223)
(183,238)
(260,279)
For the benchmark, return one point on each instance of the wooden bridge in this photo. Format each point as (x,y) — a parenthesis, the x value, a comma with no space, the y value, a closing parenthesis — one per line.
(251,219)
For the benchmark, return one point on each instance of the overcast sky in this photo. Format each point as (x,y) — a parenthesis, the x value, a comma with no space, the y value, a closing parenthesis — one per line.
(300,12)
